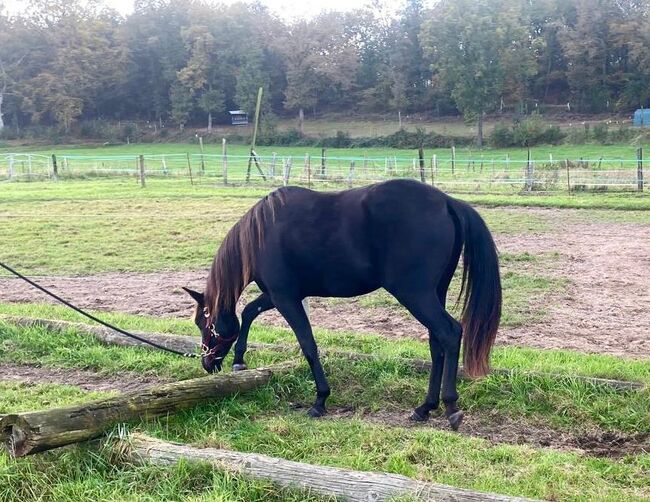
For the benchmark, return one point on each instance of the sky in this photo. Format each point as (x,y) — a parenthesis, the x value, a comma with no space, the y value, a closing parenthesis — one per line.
(287,9)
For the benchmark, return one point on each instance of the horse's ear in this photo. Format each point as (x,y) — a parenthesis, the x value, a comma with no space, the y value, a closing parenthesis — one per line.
(198,297)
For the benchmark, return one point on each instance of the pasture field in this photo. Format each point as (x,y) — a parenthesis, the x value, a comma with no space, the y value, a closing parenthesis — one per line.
(560,152)
(559,170)
(124,252)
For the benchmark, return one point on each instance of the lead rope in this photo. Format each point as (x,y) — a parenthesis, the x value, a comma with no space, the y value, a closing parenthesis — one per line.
(92,317)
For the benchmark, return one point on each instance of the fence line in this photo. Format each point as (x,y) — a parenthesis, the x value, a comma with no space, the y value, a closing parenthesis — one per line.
(484,173)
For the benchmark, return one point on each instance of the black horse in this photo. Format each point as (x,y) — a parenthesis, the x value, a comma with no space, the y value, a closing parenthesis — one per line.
(400,235)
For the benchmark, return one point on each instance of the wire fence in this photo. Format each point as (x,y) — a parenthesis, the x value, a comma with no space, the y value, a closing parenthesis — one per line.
(449,172)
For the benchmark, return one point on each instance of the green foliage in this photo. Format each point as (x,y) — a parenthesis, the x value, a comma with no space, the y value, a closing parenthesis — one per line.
(64,64)
(529,132)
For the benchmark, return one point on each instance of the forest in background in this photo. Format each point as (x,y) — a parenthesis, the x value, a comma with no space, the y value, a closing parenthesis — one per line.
(188,62)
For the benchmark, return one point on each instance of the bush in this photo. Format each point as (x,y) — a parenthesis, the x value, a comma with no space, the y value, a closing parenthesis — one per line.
(553,135)
(501,136)
(529,132)
(601,133)
(576,136)
(341,140)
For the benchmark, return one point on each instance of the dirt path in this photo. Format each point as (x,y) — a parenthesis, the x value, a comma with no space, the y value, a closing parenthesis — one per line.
(606,308)
(84,379)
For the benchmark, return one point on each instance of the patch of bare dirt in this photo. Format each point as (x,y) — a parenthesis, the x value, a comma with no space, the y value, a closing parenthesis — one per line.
(84,379)
(604,309)
(499,429)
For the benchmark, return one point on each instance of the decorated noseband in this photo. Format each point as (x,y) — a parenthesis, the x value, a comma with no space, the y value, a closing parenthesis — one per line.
(205,349)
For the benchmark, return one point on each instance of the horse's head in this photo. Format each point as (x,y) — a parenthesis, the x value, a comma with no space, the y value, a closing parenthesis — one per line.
(218,333)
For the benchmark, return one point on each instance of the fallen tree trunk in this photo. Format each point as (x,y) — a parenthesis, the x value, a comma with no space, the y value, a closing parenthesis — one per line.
(186,343)
(31,432)
(355,486)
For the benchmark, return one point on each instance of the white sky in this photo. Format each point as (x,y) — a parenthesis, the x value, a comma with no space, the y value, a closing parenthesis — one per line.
(288,9)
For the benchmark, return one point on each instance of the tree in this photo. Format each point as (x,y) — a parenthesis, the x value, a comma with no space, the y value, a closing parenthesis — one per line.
(318,57)
(74,62)
(475,50)
(201,75)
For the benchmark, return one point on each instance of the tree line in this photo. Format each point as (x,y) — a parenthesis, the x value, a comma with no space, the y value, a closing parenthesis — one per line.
(185,62)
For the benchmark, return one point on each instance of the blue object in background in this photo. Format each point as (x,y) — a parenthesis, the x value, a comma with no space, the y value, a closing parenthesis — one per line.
(642,117)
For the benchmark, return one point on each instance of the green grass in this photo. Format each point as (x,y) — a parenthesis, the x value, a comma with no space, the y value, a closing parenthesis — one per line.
(551,361)
(264,421)
(100,226)
(21,396)
(85,474)
(540,153)
(382,384)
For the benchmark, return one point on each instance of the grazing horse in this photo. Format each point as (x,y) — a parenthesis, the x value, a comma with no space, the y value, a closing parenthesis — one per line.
(400,235)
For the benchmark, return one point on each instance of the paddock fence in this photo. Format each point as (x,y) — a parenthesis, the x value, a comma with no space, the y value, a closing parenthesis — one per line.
(485,173)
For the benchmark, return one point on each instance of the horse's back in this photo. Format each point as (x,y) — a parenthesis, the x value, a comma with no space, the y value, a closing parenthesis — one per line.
(413,232)
(351,242)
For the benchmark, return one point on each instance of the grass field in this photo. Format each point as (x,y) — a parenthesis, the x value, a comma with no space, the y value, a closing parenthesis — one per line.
(265,420)
(99,226)
(541,153)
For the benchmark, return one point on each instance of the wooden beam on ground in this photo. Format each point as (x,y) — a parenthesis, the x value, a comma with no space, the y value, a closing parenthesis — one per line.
(36,431)
(186,343)
(355,486)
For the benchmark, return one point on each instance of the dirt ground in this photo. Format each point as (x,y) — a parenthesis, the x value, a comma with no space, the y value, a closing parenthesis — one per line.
(605,308)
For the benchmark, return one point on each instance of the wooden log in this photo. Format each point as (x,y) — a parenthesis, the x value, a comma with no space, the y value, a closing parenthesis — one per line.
(186,343)
(36,431)
(346,484)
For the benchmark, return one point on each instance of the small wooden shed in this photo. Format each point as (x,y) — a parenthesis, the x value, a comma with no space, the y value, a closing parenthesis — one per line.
(238,117)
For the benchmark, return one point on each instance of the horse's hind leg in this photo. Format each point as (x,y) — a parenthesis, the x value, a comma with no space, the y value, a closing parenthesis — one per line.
(444,343)
(261,304)
(432,400)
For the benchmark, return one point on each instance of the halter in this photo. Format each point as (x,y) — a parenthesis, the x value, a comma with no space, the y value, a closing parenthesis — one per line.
(205,350)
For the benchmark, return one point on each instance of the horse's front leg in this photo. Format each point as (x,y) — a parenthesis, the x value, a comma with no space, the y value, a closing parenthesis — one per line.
(294,313)
(261,304)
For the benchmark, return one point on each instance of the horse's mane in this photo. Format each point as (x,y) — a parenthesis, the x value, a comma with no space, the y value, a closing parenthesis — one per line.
(233,266)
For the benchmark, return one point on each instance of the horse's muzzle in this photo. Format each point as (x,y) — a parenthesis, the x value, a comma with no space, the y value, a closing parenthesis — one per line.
(212,364)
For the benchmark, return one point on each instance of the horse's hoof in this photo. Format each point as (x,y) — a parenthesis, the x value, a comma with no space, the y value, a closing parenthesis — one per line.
(239,367)
(416,416)
(455,419)
(316,411)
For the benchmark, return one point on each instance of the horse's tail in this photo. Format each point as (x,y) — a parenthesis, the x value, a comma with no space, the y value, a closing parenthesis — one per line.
(481,284)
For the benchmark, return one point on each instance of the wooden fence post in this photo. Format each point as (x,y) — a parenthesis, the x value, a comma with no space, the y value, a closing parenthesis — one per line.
(529,174)
(202,159)
(224,161)
(322,162)
(189,167)
(639,169)
(10,172)
(287,171)
(164,165)
(55,169)
(434,169)
(453,159)
(351,174)
(308,169)
(272,166)
(141,162)
(568,175)
(421,157)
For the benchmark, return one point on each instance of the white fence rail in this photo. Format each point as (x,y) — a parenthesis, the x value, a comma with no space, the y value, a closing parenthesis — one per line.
(483,174)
